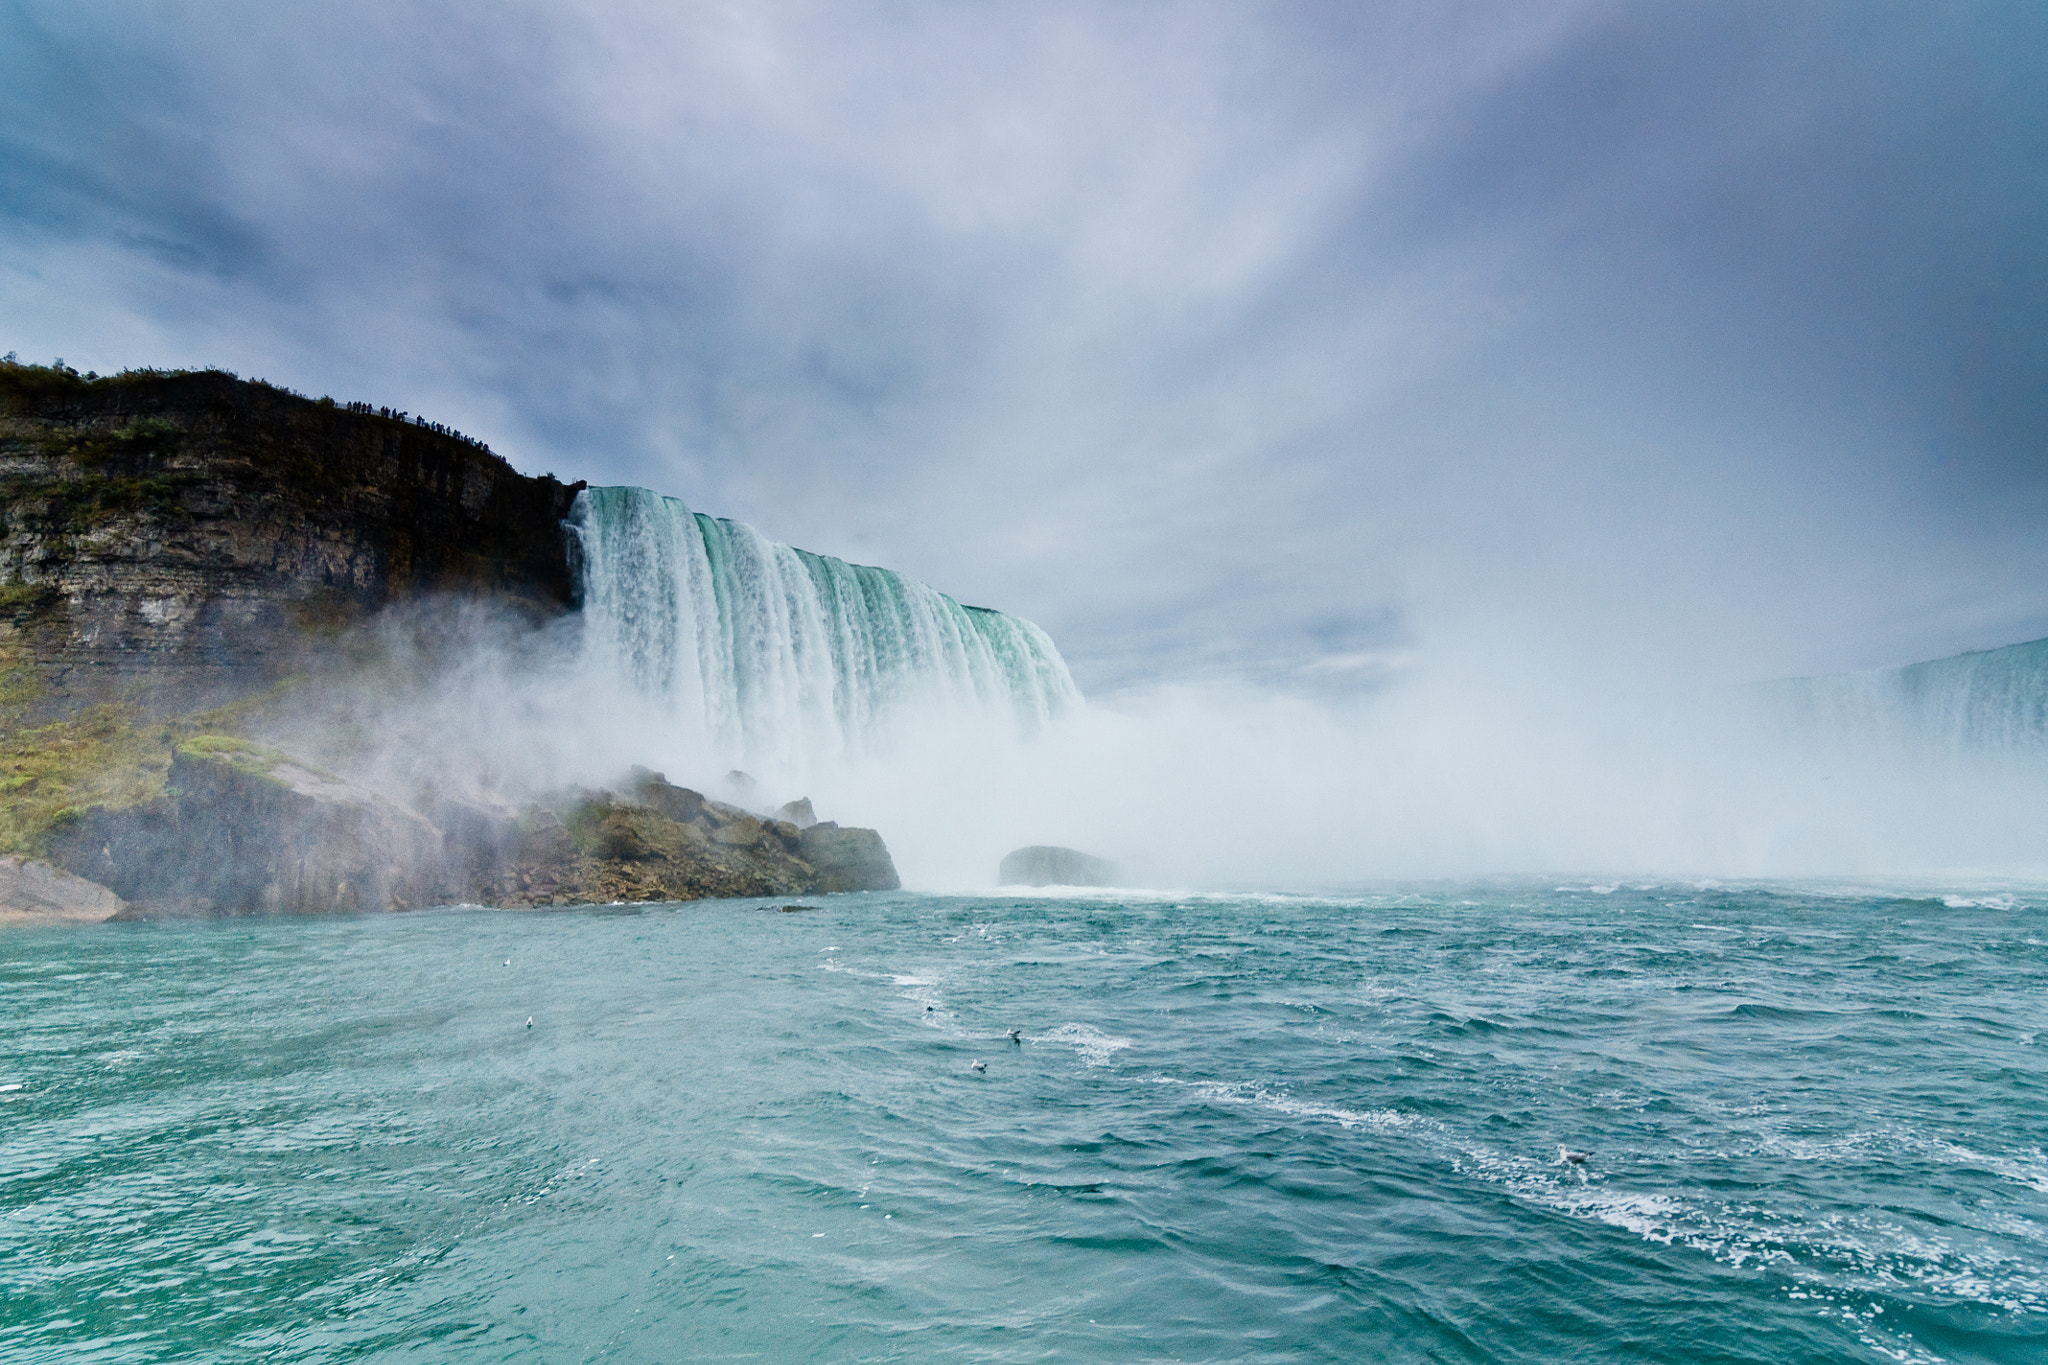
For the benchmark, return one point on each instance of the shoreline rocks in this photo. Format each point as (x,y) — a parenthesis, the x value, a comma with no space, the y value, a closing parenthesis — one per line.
(245,829)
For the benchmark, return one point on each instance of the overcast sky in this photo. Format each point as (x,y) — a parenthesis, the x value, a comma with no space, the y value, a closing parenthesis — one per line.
(1290,342)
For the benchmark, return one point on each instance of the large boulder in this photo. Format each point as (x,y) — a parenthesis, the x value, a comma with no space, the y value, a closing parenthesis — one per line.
(797,812)
(847,859)
(1051,865)
(37,893)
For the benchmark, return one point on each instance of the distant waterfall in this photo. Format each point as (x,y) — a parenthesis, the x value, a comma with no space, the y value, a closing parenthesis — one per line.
(1993,701)
(775,655)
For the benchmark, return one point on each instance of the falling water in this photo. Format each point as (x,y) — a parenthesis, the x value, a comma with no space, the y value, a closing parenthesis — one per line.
(780,658)
(1989,702)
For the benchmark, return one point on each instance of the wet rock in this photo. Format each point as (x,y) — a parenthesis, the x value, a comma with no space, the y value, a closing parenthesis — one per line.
(664,842)
(848,859)
(245,829)
(1051,865)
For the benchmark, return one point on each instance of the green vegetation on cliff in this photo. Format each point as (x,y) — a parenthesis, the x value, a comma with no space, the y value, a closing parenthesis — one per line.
(113,755)
(25,388)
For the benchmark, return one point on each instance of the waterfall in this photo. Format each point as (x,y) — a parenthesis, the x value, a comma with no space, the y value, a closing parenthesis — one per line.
(1990,702)
(778,658)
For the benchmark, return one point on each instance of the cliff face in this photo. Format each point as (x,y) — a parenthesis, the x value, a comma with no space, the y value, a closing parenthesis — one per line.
(177,538)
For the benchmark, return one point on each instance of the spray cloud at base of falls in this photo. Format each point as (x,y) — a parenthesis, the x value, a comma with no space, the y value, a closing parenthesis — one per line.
(781,660)
(958,733)
(701,646)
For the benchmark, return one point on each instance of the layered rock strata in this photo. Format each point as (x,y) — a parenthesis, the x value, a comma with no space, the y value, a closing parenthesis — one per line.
(179,539)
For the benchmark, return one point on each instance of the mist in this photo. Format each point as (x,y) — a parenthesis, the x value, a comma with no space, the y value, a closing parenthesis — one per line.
(1460,774)
(1416,426)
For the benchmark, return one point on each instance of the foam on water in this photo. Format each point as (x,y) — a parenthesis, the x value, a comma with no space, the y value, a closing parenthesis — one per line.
(1090,1043)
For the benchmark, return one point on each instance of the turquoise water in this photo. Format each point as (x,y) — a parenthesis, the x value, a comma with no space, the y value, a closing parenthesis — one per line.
(1259,1129)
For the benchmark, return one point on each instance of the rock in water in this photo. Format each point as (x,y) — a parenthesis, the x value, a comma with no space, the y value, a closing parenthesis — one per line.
(1051,865)
(658,841)
(848,859)
(37,893)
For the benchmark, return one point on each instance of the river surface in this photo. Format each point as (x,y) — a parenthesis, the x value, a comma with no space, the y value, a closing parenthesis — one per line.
(1244,1128)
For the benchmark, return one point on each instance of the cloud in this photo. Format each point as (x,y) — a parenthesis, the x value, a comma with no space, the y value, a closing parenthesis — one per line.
(1229,341)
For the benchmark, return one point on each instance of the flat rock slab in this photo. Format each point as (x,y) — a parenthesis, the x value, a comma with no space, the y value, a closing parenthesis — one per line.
(37,893)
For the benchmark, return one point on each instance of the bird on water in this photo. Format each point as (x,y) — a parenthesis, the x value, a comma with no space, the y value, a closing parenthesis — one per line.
(1017,1036)
(529,1021)
(978,1066)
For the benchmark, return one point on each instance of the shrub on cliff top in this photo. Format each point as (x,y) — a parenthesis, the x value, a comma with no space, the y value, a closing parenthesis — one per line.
(23,387)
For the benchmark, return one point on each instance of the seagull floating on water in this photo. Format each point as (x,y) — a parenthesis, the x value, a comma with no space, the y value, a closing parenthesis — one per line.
(1017,1035)
(978,1065)
(529,1021)
(1567,1157)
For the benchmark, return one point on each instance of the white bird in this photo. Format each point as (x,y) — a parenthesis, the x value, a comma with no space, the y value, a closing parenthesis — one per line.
(529,1021)
(1016,1035)
(1567,1157)
(979,1066)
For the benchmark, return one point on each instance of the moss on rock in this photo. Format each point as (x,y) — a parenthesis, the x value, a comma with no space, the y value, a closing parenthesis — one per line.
(112,755)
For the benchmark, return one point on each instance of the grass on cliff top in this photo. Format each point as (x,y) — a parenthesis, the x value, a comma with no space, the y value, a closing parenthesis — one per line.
(107,755)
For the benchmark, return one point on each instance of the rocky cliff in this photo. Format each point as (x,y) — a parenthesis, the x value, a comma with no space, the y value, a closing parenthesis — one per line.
(184,561)
(177,539)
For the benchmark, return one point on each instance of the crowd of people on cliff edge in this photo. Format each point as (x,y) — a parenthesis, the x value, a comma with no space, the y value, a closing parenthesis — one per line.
(394,415)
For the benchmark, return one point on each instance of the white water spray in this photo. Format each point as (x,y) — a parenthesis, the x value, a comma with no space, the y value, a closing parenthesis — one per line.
(958,733)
